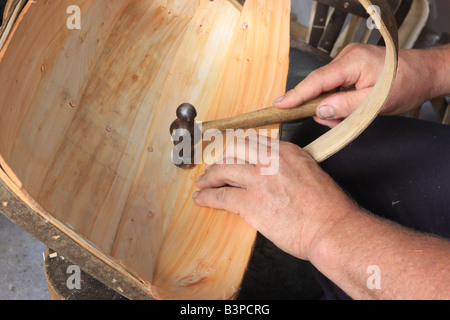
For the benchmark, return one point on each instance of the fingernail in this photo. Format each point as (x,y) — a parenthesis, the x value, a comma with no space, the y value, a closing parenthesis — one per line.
(278,100)
(195,194)
(326,112)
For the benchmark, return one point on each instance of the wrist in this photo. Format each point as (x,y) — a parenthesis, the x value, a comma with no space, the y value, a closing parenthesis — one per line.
(332,235)
(422,75)
(440,69)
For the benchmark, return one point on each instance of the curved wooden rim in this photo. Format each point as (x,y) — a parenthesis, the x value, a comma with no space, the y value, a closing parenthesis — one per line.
(343,134)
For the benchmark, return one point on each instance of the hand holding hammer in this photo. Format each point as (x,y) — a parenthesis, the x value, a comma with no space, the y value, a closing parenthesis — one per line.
(186,115)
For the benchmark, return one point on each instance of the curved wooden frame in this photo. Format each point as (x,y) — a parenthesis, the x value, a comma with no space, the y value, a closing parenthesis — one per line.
(339,137)
(21,207)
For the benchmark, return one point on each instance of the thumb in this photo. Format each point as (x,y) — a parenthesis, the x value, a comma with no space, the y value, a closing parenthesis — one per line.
(340,105)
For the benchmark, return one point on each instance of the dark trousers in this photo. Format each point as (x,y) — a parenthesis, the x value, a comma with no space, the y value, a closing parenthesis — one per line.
(399,168)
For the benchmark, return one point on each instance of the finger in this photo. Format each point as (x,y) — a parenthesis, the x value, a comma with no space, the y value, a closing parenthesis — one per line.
(340,105)
(328,123)
(226,198)
(221,175)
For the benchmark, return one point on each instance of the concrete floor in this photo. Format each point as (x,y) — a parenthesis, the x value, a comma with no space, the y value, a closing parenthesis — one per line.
(21,264)
(21,256)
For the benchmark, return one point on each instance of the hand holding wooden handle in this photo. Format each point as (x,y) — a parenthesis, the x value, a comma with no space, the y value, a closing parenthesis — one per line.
(266,116)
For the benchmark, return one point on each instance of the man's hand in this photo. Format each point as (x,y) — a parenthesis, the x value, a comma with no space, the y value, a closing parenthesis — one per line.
(303,212)
(291,208)
(421,76)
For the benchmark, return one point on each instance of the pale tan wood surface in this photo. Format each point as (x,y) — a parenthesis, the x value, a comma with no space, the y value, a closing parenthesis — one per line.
(81,114)
(223,240)
(84,132)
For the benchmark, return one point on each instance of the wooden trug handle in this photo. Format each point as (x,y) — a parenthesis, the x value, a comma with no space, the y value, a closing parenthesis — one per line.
(265,116)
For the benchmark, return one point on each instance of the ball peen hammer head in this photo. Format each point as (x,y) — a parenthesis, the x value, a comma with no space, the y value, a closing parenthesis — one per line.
(185,127)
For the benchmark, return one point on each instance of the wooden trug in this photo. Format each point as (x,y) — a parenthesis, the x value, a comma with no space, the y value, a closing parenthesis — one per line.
(82,109)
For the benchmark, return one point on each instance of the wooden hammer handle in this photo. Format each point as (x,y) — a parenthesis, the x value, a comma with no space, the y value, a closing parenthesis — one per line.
(265,116)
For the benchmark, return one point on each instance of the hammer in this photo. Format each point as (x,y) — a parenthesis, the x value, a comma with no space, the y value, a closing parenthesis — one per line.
(186,115)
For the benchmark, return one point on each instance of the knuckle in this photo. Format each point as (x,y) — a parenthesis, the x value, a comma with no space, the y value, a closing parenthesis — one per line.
(354,47)
(289,147)
(358,50)
(351,51)
(286,153)
(318,73)
(222,195)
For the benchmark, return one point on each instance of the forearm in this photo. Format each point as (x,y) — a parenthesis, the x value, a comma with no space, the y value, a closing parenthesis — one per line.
(422,75)
(411,265)
(441,70)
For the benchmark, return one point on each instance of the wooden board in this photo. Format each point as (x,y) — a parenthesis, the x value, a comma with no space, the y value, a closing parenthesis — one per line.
(87,106)
(84,134)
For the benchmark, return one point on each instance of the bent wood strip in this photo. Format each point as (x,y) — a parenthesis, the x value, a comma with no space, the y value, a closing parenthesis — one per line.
(339,137)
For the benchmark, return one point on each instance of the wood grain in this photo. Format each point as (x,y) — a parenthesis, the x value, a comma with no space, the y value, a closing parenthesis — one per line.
(87,127)
(84,143)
